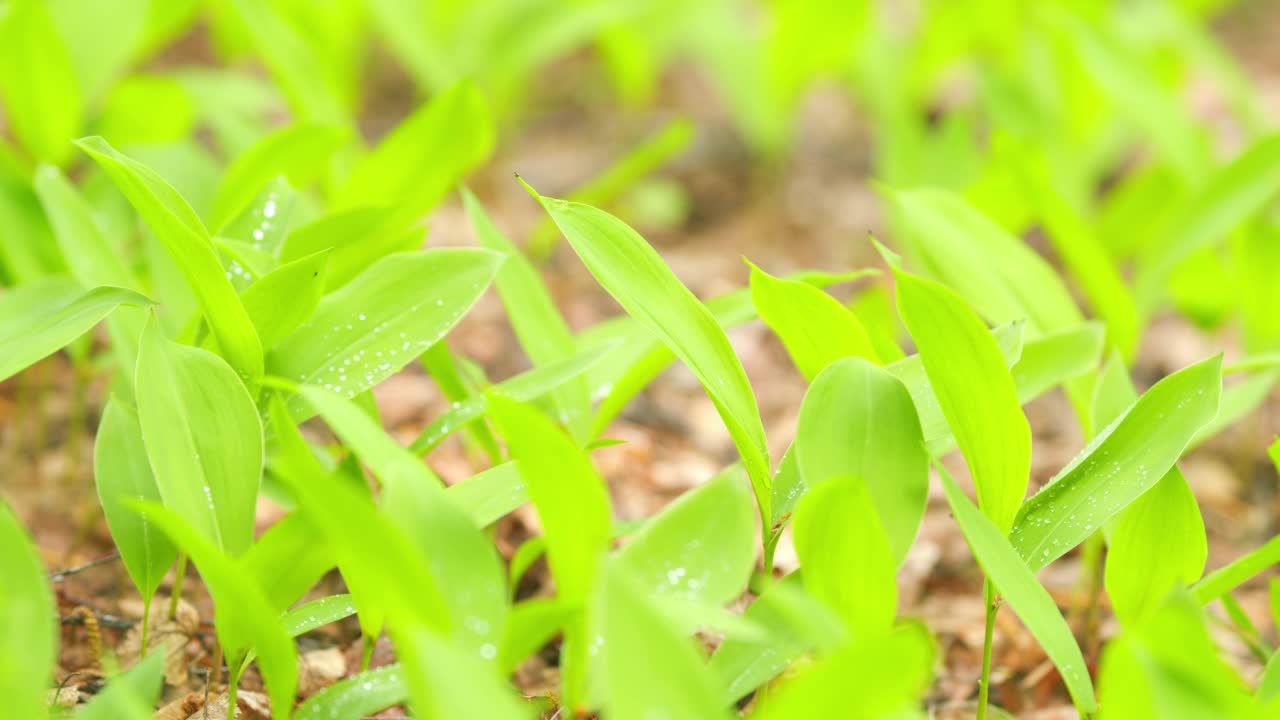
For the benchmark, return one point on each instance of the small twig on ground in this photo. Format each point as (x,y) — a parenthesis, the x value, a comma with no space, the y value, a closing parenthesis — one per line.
(104,620)
(63,574)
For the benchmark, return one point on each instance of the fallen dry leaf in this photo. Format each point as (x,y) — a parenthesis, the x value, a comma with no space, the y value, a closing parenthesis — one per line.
(166,635)
(318,669)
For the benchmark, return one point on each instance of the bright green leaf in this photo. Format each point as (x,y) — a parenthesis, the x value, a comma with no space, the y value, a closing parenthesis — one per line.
(700,547)
(297,152)
(382,320)
(1017,583)
(357,697)
(38,319)
(1119,464)
(244,619)
(815,328)
(28,633)
(538,324)
(636,276)
(975,391)
(858,420)
(121,471)
(650,670)
(203,437)
(284,299)
(187,242)
(845,555)
(1158,544)
(41,96)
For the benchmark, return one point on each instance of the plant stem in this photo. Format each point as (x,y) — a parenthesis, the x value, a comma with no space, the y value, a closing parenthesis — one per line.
(180,573)
(1087,587)
(770,547)
(1093,612)
(984,683)
(366,653)
(146,621)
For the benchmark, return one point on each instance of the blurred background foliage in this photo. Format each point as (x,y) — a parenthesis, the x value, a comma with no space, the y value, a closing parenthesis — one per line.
(1027,110)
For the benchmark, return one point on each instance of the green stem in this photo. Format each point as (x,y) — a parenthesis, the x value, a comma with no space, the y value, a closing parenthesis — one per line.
(366,654)
(1093,613)
(770,547)
(984,683)
(180,574)
(146,622)
(1085,599)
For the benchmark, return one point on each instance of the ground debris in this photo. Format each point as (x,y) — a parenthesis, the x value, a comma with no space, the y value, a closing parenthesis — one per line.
(168,635)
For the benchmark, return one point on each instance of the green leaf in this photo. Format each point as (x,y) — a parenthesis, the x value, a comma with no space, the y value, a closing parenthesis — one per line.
(92,259)
(121,471)
(1234,193)
(975,391)
(130,696)
(567,492)
(291,62)
(1168,667)
(538,324)
(490,494)
(187,242)
(933,423)
(283,300)
(1237,572)
(445,682)
(244,618)
(27,249)
(393,581)
(102,37)
(1238,400)
(358,238)
(129,114)
(892,672)
(424,157)
(846,556)
(382,320)
(42,100)
(636,276)
(28,633)
(203,437)
(525,387)
(357,697)
(1084,255)
(288,559)
(1121,463)
(1158,544)
(298,152)
(1269,684)
(1002,278)
(317,613)
(38,319)
(573,506)
(700,547)
(457,553)
(858,420)
(1017,583)
(815,328)
(794,622)
(640,356)
(1056,357)
(531,625)
(441,364)
(650,671)
(1139,96)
